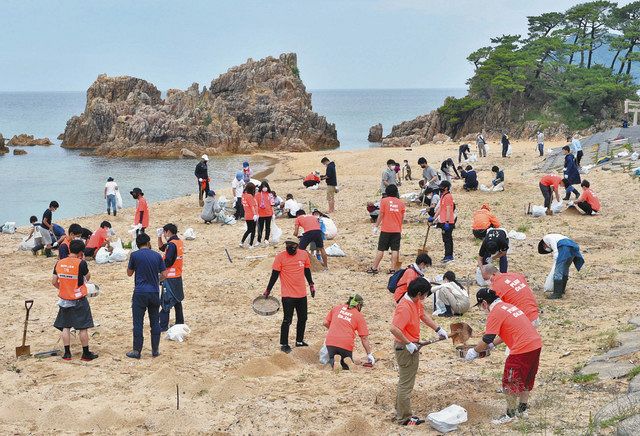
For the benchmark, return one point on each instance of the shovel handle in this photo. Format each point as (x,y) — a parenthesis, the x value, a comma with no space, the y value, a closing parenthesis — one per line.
(424,245)
(27,304)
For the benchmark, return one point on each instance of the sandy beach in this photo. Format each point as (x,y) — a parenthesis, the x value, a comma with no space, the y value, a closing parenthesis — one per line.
(231,375)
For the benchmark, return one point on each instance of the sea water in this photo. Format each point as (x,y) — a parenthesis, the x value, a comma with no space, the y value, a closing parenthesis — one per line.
(29,182)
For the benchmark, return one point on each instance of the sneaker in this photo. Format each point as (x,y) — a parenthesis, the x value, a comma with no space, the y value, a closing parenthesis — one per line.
(242,245)
(414,420)
(256,245)
(447,259)
(266,243)
(134,354)
(301,344)
(155,353)
(251,247)
(285,348)
(66,356)
(88,357)
(504,419)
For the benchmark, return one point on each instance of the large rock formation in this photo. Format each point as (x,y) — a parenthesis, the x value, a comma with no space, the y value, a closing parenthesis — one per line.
(3,148)
(258,105)
(375,133)
(25,140)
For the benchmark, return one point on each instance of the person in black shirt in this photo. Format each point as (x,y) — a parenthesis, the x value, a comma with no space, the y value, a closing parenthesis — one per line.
(494,246)
(446,167)
(463,150)
(202,174)
(505,144)
(332,182)
(47,224)
(499,176)
(470,178)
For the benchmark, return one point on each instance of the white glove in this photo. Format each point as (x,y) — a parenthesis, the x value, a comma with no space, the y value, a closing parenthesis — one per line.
(159,232)
(471,354)
(374,230)
(411,347)
(491,346)
(255,217)
(372,359)
(199,180)
(442,333)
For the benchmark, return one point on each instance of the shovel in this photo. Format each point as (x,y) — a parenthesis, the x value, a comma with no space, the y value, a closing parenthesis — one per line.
(424,245)
(430,341)
(25,350)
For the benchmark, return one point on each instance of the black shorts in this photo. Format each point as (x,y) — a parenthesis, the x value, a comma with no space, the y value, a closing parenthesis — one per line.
(314,236)
(79,316)
(479,234)
(310,183)
(337,351)
(90,252)
(388,241)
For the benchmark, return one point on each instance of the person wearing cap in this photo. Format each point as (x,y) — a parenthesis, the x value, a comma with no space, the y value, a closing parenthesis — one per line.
(412,272)
(389,176)
(237,187)
(247,172)
(549,187)
(405,328)
(565,252)
(292,266)
(495,246)
(343,321)
(483,219)
(312,233)
(110,190)
(99,239)
(312,179)
(172,288)
(331,178)
(446,219)
(513,288)
(507,323)
(389,222)
(202,174)
(141,215)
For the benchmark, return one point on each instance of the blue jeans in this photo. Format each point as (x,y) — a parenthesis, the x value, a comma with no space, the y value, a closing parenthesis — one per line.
(142,302)
(541,148)
(111,202)
(504,263)
(562,269)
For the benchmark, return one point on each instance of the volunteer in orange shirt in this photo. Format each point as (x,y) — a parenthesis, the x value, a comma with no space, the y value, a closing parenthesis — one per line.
(99,239)
(483,220)
(292,266)
(343,321)
(265,211)
(312,233)
(142,210)
(312,179)
(250,213)
(549,186)
(446,219)
(70,276)
(405,328)
(413,271)
(389,223)
(587,201)
(521,366)
(513,288)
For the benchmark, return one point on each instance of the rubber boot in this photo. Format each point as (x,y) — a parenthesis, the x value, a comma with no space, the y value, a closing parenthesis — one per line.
(564,284)
(47,252)
(108,211)
(155,345)
(557,290)
(115,212)
(567,195)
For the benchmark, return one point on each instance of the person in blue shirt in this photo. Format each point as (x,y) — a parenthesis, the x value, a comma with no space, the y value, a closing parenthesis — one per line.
(571,173)
(470,178)
(149,269)
(499,175)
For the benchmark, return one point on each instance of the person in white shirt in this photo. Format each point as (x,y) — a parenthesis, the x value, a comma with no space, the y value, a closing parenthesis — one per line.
(237,185)
(576,146)
(291,207)
(110,190)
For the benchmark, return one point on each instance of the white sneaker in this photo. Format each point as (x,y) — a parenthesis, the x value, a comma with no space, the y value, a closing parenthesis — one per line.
(251,247)
(266,243)
(256,245)
(504,419)
(242,245)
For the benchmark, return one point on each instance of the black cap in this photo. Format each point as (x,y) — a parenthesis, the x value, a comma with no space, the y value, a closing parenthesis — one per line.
(445,184)
(485,294)
(543,248)
(136,191)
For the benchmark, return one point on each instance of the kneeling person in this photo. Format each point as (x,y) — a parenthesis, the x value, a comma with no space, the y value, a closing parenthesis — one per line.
(99,239)
(495,247)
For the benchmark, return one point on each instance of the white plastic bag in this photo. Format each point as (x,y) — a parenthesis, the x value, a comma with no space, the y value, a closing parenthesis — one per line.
(27,245)
(276,232)
(548,283)
(509,150)
(556,206)
(448,419)
(498,188)
(189,234)
(519,236)
(178,332)
(324,355)
(102,256)
(118,200)
(314,187)
(473,158)
(330,228)
(538,211)
(479,280)
(9,227)
(92,290)
(335,251)
(635,156)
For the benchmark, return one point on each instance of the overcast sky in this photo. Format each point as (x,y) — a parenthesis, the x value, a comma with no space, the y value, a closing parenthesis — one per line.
(64,44)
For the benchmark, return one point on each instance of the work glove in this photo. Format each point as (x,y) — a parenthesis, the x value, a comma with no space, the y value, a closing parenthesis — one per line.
(374,230)
(411,347)
(312,288)
(255,217)
(446,226)
(471,354)
(430,219)
(442,333)
(371,359)
(266,293)
(159,232)
(200,180)
(491,346)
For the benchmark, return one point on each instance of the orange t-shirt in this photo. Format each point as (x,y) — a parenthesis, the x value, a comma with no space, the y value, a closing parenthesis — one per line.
(408,276)
(343,324)
(483,219)
(312,176)
(142,207)
(392,211)
(513,327)
(551,180)
(249,205)
(291,268)
(446,202)
(590,198)
(513,288)
(98,238)
(263,200)
(308,222)
(407,318)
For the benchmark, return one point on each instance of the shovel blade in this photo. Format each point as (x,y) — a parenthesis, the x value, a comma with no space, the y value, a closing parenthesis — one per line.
(24,350)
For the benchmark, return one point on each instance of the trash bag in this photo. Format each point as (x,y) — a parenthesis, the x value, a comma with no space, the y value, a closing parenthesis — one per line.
(92,290)
(548,283)
(538,211)
(189,234)
(9,227)
(324,355)
(519,236)
(118,200)
(473,158)
(498,188)
(335,251)
(634,156)
(102,256)
(178,332)
(314,187)
(448,418)
(331,229)
(479,280)
(556,206)
(118,254)
(276,232)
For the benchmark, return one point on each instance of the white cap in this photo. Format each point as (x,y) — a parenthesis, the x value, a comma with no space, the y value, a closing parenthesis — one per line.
(205,157)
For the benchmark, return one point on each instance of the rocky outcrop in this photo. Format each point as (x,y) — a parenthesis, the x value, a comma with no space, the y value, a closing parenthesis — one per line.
(421,129)
(3,148)
(24,140)
(260,105)
(19,152)
(375,133)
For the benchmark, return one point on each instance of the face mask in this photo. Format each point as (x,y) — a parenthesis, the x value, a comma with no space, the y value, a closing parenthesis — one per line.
(392,167)
(292,250)
(264,189)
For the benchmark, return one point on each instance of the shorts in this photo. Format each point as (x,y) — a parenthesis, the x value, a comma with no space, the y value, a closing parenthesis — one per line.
(388,241)
(314,236)
(479,233)
(331,192)
(337,351)
(79,316)
(520,372)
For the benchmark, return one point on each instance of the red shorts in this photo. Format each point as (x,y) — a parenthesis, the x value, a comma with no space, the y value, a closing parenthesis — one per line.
(520,372)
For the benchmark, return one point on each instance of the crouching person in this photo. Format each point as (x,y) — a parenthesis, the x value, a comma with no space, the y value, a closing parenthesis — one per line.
(70,276)
(343,321)
(452,295)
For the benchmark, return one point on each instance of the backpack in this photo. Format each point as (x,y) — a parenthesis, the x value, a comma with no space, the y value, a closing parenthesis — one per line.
(392,285)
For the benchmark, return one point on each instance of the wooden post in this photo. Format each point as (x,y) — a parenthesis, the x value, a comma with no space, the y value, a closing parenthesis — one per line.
(177,397)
